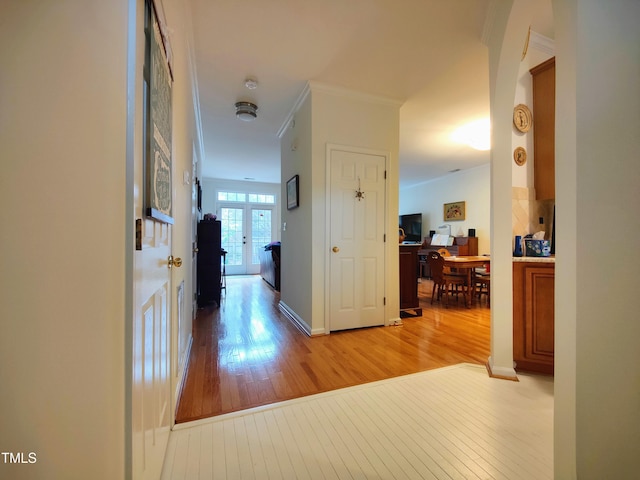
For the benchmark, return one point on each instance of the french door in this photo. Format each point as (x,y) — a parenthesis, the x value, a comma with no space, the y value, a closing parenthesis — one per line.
(245,230)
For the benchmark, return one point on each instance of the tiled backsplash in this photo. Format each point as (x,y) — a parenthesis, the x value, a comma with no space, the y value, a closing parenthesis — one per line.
(526,212)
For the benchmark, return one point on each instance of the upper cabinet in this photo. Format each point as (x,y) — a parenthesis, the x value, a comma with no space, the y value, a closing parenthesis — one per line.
(544,126)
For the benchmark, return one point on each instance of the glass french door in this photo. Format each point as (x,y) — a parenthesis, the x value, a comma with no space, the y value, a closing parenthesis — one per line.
(245,230)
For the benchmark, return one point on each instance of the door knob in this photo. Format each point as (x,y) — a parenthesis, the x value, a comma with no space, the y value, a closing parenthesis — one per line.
(335,249)
(177,261)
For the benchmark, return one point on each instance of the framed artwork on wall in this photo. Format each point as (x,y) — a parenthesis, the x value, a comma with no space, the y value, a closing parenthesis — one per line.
(293,190)
(454,211)
(158,181)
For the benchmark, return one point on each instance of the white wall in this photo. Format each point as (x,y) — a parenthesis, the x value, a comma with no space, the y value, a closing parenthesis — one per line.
(331,116)
(63,187)
(523,175)
(471,186)
(185,144)
(67,185)
(597,393)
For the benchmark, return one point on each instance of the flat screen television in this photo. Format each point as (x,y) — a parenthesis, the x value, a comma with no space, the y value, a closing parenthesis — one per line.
(412,226)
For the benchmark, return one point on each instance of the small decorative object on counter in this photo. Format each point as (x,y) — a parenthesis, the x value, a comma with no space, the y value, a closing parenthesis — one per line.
(517,251)
(401,234)
(537,248)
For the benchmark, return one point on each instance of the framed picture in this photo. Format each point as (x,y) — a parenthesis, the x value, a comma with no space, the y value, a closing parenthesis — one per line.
(293,190)
(454,211)
(158,181)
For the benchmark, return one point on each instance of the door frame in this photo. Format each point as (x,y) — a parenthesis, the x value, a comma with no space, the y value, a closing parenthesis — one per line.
(330,148)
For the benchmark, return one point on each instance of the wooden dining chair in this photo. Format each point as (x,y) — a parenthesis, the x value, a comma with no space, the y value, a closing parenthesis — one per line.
(482,279)
(436,266)
(444,282)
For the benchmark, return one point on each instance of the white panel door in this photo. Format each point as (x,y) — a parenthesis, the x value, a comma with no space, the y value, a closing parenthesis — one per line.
(151,416)
(151,358)
(357,205)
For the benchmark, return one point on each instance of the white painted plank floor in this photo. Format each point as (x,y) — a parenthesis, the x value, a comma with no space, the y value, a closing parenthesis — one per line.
(450,423)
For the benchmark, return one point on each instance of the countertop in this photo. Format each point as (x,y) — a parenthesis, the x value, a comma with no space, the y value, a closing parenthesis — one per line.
(535,259)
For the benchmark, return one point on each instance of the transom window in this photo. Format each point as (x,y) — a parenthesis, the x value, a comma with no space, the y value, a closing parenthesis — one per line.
(246,197)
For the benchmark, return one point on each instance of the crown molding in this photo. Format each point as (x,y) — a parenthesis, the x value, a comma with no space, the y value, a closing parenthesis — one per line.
(542,43)
(314,86)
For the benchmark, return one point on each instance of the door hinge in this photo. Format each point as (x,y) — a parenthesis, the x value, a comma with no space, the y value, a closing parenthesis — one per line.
(384,300)
(384,238)
(138,234)
(385,174)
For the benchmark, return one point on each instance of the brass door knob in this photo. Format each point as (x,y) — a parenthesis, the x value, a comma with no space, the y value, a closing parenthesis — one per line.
(177,261)
(335,249)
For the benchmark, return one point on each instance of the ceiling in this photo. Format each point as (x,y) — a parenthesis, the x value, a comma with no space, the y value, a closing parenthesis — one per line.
(425,53)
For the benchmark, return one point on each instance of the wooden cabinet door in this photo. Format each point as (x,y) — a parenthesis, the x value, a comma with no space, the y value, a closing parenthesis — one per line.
(533,316)
(544,125)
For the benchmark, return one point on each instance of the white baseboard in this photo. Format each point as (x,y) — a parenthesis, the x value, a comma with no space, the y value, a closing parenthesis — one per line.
(182,375)
(298,321)
(501,372)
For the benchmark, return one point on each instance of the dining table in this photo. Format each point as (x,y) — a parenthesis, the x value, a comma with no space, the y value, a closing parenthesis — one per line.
(468,264)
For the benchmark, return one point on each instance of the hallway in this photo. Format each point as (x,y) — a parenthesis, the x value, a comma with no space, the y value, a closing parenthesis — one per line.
(247,353)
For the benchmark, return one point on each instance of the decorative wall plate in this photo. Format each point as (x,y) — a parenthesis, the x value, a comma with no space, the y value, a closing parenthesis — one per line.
(520,156)
(522,118)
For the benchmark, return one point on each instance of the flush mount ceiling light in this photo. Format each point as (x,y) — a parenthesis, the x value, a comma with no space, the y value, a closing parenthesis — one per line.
(475,134)
(246,111)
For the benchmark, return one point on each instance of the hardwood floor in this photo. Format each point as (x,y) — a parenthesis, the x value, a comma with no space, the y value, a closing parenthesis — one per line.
(247,353)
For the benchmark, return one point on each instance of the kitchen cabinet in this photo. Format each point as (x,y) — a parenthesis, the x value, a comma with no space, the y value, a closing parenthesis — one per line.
(533,315)
(544,125)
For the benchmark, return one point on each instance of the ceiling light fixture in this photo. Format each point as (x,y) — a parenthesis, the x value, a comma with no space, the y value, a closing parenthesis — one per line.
(475,134)
(246,111)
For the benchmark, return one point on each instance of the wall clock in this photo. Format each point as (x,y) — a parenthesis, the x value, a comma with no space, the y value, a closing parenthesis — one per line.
(520,156)
(522,118)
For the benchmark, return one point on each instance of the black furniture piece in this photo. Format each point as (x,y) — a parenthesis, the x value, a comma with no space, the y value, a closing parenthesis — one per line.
(270,264)
(409,303)
(209,262)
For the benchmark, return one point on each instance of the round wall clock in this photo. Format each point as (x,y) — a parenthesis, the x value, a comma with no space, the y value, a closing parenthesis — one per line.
(520,156)
(522,118)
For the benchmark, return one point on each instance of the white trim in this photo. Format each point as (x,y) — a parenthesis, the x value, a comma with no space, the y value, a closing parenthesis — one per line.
(181,379)
(335,91)
(502,372)
(298,321)
(296,106)
(542,43)
(313,85)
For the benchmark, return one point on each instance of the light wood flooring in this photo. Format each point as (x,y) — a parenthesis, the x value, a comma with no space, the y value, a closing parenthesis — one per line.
(450,423)
(247,353)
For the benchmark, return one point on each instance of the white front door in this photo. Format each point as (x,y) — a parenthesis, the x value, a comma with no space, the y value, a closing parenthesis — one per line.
(245,230)
(357,228)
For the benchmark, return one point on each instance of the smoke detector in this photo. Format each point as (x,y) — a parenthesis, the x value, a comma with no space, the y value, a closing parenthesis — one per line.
(246,111)
(251,83)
